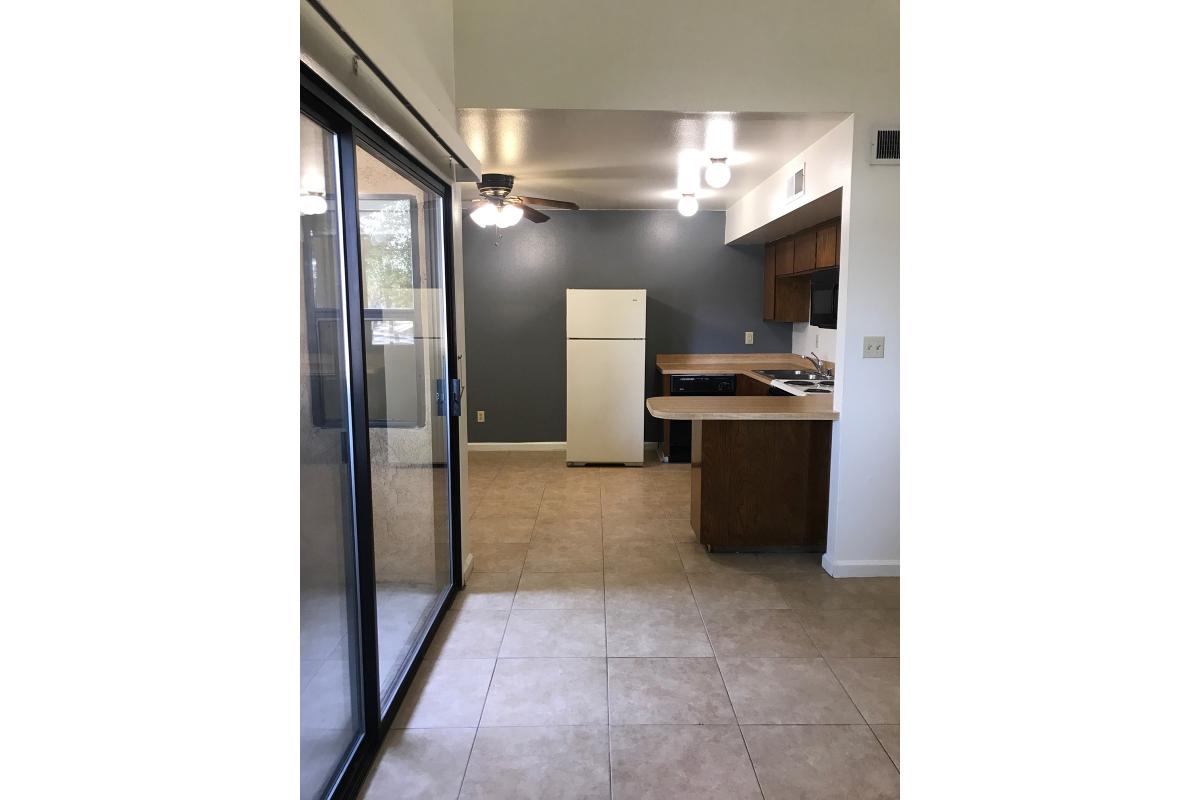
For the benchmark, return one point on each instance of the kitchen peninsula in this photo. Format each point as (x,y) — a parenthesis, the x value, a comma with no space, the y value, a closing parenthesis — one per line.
(760,464)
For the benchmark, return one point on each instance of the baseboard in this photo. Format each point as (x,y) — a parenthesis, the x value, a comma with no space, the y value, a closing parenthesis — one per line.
(889,568)
(533,446)
(529,446)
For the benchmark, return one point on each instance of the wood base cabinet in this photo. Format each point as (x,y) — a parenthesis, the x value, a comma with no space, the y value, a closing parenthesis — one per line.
(760,483)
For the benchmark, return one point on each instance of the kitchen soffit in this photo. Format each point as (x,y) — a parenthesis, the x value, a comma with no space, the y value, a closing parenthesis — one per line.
(628,159)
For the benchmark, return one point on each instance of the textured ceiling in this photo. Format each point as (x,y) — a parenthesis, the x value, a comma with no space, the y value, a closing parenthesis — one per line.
(629,159)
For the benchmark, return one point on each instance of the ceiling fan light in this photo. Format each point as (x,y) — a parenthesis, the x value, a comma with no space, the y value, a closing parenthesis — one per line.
(312,203)
(509,215)
(688,205)
(717,174)
(485,215)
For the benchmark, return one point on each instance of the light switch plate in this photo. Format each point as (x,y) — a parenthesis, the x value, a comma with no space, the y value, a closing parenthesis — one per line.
(872,347)
(480,416)
(749,337)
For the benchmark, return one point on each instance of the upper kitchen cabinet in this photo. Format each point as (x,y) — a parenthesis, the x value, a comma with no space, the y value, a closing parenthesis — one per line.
(785,251)
(787,263)
(769,283)
(827,236)
(802,249)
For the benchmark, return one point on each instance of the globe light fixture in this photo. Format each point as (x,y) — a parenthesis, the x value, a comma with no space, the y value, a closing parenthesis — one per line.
(485,215)
(508,215)
(688,204)
(717,174)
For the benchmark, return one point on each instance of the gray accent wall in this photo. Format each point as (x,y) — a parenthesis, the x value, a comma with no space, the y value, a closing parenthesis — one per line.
(702,297)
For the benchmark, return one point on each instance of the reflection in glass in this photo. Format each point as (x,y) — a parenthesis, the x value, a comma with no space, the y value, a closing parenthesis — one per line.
(330,708)
(400,232)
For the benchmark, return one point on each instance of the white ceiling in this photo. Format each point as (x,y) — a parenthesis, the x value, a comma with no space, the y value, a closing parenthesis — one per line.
(628,159)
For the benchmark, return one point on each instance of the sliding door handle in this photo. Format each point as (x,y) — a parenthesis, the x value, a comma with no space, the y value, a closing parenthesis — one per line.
(449,403)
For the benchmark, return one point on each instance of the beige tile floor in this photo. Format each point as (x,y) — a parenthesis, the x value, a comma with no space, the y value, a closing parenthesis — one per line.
(599,651)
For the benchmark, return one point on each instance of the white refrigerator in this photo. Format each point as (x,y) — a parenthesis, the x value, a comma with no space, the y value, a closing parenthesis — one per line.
(606,376)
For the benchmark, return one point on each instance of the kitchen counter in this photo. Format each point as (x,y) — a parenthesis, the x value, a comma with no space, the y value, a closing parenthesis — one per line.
(730,364)
(812,407)
(760,462)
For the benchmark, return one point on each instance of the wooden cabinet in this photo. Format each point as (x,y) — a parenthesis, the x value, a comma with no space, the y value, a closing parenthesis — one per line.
(769,283)
(784,255)
(806,252)
(749,387)
(827,236)
(795,255)
(760,483)
(787,263)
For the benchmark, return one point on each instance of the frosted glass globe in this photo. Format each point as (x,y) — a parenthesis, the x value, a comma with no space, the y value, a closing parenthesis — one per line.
(312,204)
(485,215)
(718,174)
(509,215)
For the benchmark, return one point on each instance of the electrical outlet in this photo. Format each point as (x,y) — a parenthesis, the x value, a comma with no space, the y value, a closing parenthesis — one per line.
(872,347)
(749,337)
(480,417)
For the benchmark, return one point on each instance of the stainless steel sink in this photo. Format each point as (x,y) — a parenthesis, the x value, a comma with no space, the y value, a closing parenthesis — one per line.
(797,374)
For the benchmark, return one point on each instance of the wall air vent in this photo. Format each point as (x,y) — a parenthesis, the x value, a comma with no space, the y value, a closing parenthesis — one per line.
(796,183)
(885,146)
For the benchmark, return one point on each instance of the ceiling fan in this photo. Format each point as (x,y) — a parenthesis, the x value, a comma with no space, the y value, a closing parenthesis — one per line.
(498,206)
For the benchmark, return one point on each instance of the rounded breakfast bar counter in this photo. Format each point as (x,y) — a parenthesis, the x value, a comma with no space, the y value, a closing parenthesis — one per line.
(811,407)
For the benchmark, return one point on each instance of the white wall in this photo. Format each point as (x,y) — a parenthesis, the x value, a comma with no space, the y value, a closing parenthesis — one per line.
(864,537)
(410,40)
(826,165)
(811,339)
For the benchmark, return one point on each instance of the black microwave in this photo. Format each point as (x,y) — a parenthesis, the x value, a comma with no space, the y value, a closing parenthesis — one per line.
(822,307)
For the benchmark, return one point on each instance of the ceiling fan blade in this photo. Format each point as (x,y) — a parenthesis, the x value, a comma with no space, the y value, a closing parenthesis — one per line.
(533,215)
(542,201)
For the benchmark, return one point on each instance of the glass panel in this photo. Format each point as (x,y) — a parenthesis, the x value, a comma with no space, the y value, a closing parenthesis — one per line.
(330,705)
(400,228)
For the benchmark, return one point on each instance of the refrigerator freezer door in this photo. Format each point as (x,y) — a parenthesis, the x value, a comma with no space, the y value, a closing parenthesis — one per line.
(606,313)
(606,397)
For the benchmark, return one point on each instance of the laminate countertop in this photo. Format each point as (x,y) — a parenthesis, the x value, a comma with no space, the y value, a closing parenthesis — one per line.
(810,407)
(731,364)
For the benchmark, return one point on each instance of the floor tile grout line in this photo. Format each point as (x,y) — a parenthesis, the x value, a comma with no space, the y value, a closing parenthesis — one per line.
(607,688)
(845,691)
(479,719)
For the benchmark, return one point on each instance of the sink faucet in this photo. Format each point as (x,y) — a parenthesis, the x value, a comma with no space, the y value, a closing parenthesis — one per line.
(819,364)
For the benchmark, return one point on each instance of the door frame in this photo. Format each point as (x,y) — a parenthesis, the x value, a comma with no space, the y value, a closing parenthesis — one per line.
(319,101)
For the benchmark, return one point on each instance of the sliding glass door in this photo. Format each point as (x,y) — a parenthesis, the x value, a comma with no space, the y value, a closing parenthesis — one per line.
(400,236)
(331,717)
(379,556)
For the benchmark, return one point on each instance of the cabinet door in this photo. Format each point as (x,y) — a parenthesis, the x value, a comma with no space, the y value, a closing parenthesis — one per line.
(751,387)
(784,254)
(805,259)
(769,283)
(792,298)
(827,245)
